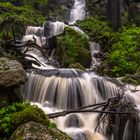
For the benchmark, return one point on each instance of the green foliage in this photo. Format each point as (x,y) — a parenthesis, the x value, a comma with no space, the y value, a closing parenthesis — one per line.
(19,17)
(25,2)
(123,49)
(71,45)
(5,118)
(14,115)
(125,54)
(22,14)
(52,125)
(97,29)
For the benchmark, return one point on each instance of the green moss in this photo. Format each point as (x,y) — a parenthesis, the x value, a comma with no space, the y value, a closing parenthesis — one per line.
(31,113)
(16,114)
(97,29)
(73,48)
(77,66)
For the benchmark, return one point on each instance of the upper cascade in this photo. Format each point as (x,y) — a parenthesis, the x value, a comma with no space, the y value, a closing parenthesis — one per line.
(78,11)
(48,29)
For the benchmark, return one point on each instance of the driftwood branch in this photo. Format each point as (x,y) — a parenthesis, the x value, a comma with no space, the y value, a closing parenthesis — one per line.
(64,113)
(18,46)
(37,62)
(101,108)
(28,44)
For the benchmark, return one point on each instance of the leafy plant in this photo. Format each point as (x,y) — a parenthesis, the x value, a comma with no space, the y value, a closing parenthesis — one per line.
(16,114)
(122,48)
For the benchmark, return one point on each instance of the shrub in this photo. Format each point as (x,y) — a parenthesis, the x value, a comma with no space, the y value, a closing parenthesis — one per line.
(122,47)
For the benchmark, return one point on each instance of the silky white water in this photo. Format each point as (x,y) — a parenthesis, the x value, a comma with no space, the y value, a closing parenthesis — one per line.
(67,89)
(56,93)
(78,11)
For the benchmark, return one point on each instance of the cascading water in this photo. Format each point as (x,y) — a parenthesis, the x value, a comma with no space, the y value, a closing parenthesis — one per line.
(53,28)
(65,89)
(56,90)
(78,11)
(49,29)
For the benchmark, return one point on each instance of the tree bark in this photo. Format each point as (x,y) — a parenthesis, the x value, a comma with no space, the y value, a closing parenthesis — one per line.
(113,14)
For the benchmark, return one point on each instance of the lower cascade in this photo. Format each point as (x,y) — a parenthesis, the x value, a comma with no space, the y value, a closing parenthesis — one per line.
(65,89)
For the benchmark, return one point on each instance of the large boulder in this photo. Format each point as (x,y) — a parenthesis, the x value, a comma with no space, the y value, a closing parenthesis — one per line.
(36,131)
(11,73)
(73,47)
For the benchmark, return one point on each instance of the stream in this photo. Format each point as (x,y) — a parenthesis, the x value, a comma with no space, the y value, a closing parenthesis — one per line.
(67,89)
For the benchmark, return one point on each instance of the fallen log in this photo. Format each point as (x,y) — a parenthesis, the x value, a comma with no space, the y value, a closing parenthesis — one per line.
(107,107)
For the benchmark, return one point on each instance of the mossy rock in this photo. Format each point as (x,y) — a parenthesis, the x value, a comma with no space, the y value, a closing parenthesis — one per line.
(73,47)
(31,113)
(36,131)
(84,57)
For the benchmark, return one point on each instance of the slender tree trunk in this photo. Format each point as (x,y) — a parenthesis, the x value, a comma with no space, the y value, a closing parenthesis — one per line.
(113,13)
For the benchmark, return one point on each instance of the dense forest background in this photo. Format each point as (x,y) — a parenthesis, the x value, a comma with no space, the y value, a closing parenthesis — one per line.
(112,24)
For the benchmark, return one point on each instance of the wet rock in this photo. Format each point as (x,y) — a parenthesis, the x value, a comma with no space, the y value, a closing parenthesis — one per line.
(11,73)
(36,131)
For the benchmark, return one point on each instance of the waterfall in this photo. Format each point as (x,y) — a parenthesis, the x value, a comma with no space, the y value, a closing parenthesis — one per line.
(78,11)
(34,53)
(48,29)
(55,90)
(53,28)
(38,31)
(40,36)
(66,89)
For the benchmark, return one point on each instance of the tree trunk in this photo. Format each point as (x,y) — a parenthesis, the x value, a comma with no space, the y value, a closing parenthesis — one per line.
(113,13)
